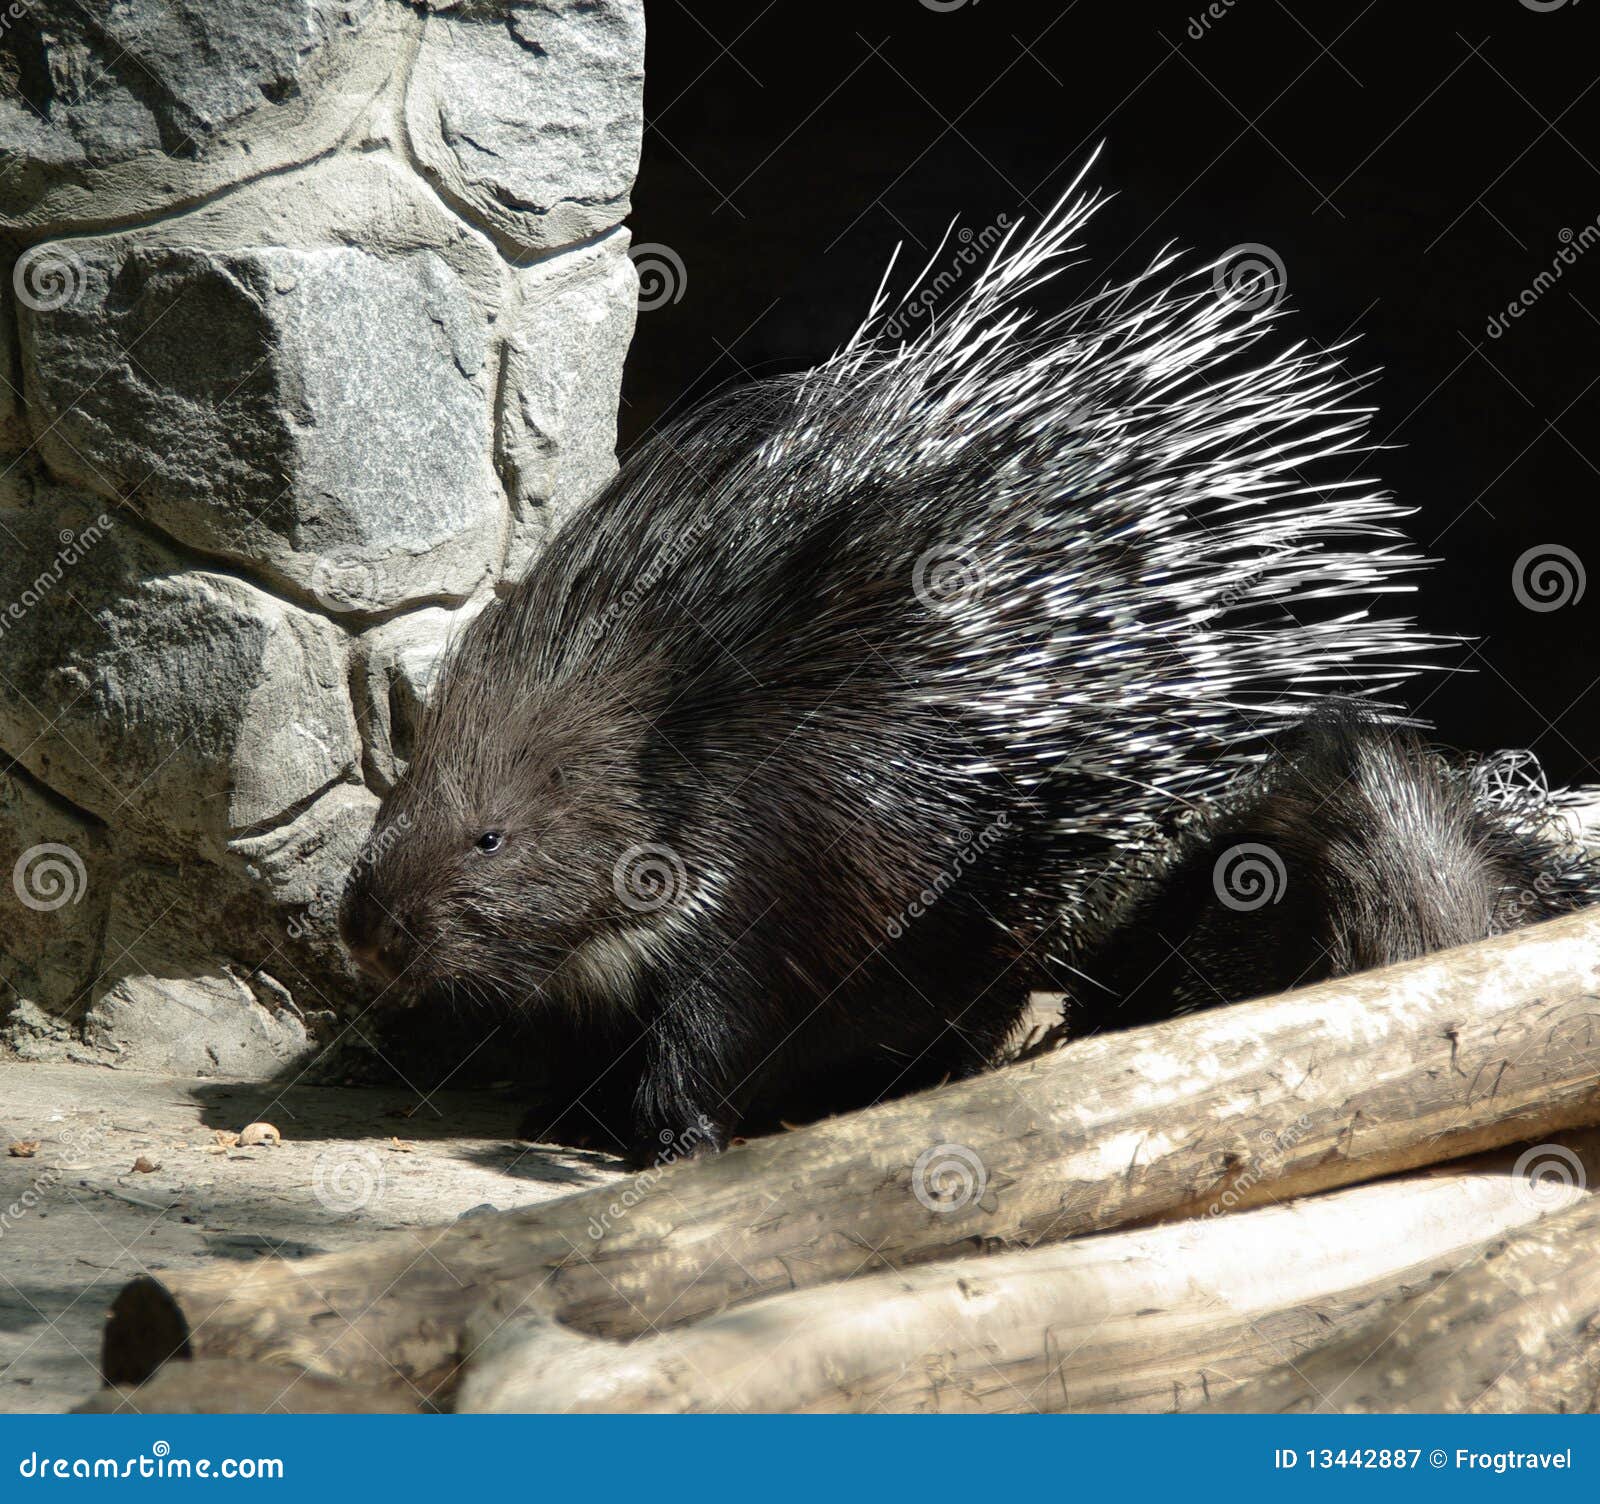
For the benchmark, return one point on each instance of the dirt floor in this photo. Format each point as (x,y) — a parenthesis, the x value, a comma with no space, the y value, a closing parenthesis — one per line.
(80,1213)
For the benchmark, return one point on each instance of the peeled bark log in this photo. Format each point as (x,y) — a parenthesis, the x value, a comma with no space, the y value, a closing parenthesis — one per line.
(223,1386)
(1516,1330)
(1157,1320)
(1450,1055)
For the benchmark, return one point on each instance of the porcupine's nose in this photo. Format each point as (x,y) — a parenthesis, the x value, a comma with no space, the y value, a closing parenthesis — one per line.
(372,937)
(380,961)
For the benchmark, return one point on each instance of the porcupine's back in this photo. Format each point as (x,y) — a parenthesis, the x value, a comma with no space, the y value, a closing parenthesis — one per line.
(1076,566)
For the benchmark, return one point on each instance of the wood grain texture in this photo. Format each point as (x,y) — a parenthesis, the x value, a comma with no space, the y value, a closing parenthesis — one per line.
(1515,1331)
(1160,1319)
(1451,1055)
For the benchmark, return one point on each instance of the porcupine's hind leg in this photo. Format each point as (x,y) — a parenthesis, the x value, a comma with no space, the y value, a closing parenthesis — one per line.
(1356,846)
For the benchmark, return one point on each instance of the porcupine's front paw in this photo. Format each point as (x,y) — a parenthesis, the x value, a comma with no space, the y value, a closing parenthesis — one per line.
(667,1145)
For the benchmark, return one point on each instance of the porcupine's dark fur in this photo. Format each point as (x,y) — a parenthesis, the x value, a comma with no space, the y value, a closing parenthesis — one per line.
(1355,845)
(807,745)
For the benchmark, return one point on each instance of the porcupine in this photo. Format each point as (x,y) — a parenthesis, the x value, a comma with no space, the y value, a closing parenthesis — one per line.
(846,712)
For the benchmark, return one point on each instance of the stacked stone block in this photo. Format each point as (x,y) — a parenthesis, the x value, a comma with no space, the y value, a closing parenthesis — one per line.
(312,327)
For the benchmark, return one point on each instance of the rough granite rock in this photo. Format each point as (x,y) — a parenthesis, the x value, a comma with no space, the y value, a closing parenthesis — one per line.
(13,426)
(368,200)
(312,320)
(114,109)
(299,869)
(28,1032)
(58,873)
(319,416)
(557,430)
(186,964)
(527,114)
(166,1001)
(395,666)
(195,709)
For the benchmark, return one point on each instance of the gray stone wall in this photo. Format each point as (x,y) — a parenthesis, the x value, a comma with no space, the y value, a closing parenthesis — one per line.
(312,321)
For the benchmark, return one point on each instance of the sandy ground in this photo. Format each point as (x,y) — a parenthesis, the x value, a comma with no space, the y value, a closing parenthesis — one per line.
(78,1219)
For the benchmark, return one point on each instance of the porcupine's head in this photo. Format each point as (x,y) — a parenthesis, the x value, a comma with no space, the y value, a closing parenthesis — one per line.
(529,851)
(492,866)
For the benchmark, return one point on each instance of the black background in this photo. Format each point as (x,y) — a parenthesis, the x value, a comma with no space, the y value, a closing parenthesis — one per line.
(1414,166)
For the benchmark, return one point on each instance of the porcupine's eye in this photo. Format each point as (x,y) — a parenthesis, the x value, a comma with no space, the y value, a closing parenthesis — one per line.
(490,842)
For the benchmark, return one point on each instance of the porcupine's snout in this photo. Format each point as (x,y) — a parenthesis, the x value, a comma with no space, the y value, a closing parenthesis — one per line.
(377,942)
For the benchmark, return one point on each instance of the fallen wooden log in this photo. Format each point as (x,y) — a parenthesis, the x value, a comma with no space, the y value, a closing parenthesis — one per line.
(1155,1320)
(225,1386)
(1450,1055)
(1517,1330)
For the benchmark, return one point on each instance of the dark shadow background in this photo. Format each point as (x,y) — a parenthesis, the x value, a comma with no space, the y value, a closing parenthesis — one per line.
(1414,167)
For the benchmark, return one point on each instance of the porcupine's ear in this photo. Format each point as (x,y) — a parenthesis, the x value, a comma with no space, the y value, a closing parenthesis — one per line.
(1355,846)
